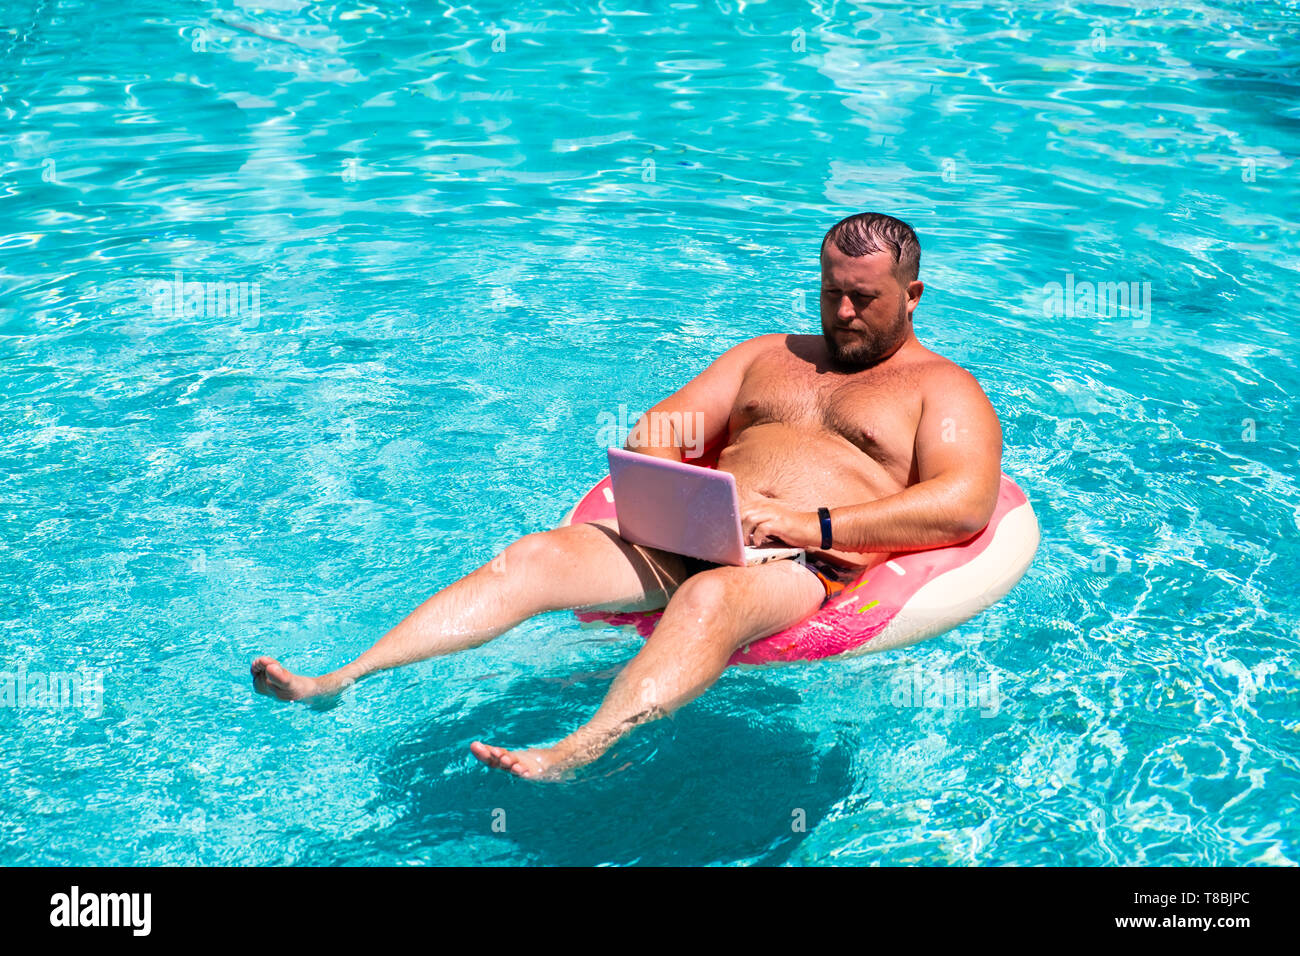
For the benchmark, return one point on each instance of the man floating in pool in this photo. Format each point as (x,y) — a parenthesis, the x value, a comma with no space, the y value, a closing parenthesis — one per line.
(900,444)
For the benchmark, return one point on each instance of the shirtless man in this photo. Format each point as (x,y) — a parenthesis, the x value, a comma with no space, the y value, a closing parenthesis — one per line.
(900,444)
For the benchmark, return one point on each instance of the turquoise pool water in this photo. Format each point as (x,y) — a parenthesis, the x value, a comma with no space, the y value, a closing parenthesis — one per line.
(471,235)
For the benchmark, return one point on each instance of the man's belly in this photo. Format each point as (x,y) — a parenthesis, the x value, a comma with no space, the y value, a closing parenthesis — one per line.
(806,469)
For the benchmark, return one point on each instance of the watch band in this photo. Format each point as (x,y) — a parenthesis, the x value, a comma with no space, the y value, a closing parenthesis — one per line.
(824,515)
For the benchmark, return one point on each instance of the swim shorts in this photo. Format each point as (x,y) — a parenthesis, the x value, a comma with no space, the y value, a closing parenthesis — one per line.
(832,576)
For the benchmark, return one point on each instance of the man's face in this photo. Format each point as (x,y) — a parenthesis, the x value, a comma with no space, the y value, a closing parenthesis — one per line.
(866,311)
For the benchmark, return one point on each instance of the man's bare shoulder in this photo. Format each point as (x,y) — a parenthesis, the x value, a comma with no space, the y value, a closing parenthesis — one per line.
(743,354)
(726,372)
(948,389)
(941,374)
(809,348)
(769,342)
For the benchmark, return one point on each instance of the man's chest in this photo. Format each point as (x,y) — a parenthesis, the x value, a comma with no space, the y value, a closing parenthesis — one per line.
(875,410)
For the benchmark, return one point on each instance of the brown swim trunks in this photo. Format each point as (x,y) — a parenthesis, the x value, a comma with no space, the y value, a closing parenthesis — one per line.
(832,576)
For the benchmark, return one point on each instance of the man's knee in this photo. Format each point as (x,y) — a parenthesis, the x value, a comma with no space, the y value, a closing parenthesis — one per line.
(541,549)
(711,591)
(557,547)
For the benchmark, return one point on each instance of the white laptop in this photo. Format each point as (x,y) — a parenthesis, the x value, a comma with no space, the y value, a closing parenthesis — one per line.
(685,509)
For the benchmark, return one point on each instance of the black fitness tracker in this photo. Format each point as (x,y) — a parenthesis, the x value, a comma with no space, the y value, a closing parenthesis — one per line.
(824,515)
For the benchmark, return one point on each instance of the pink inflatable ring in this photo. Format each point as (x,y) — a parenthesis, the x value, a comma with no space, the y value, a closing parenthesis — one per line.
(912,596)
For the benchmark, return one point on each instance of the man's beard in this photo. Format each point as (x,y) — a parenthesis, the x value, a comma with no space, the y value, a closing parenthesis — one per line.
(868,347)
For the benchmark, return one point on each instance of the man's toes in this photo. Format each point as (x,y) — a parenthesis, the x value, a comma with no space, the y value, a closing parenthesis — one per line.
(268,669)
(502,759)
(276,672)
(258,670)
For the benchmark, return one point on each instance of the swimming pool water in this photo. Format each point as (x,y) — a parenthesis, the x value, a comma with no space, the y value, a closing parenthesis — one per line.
(470,235)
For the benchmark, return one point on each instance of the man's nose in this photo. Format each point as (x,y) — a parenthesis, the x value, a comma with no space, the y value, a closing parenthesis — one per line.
(847,311)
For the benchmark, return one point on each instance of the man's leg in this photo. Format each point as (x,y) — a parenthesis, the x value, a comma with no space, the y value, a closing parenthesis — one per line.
(708,617)
(581,566)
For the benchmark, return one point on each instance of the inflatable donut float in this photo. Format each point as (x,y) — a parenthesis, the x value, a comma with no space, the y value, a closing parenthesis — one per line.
(912,596)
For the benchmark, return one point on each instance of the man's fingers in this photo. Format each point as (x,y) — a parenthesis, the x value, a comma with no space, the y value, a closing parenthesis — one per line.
(756,526)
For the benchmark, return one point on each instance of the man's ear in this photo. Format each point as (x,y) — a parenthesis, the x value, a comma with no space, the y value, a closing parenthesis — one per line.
(914,290)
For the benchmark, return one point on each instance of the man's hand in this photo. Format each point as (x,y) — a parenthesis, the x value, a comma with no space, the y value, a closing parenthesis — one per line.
(766,521)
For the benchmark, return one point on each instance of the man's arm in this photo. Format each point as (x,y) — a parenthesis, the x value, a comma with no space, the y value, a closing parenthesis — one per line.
(688,421)
(959,462)
(959,466)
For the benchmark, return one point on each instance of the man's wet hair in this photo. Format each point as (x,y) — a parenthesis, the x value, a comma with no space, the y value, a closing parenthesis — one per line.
(868,232)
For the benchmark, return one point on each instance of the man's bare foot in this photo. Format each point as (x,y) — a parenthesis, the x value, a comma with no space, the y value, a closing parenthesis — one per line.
(270,677)
(542,763)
